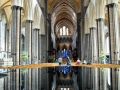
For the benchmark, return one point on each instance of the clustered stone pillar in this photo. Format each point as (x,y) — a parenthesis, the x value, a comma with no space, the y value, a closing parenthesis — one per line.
(34,71)
(15,46)
(88,70)
(101,45)
(0,31)
(28,48)
(93,32)
(86,76)
(37,55)
(7,80)
(113,41)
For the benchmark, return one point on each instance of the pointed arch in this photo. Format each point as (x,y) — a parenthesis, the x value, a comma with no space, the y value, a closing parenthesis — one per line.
(37,16)
(42,28)
(100,8)
(29,7)
(92,14)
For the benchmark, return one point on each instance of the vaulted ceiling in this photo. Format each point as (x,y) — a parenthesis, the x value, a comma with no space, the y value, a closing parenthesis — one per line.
(75,3)
(64,14)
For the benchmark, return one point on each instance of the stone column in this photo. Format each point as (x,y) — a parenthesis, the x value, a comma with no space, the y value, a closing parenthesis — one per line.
(44,55)
(101,45)
(78,37)
(37,55)
(35,58)
(82,30)
(15,45)
(86,76)
(0,32)
(7,46)
(101,34)
(28,48)
(113,41)
(88,70)
(7,80)
(91,57)
(7,42)
(94,57)
(43,71)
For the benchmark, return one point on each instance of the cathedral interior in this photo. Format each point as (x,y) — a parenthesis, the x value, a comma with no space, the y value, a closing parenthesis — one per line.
(33,32)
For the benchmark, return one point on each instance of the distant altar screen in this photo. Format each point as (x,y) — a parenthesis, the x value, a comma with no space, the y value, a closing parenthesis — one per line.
(64,53)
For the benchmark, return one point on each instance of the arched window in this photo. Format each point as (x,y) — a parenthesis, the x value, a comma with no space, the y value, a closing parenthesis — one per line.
(67,31)
(61,31)
(64,31)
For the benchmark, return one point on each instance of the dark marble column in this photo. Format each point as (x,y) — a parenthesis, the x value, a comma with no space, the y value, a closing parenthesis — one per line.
(100,34)
(79,76)
(49,48)
(7,80)
(113,41)
(101,45)
(82,37)
(43,71)
(28,48)
(78,32)
(15,45)
(37,56)
(34,71)
(33,56)
(86,76)
(0,31)
(13,41)
(88,70)
(44,54)
(94,57)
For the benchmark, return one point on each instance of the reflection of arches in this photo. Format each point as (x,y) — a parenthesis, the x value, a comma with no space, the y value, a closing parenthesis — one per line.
(58,48)
(64,47)
(70,47)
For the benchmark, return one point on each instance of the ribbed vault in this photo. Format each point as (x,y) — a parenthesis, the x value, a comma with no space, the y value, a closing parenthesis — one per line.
(63,14)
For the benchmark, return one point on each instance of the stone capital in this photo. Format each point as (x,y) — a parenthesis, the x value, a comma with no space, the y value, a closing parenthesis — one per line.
(100,19)
(87,34)
(36,29)
(16,7)
(112,5)
(93,28)
(28,21)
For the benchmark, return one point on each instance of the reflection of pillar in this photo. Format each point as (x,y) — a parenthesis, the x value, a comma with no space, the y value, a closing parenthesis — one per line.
(114,41)
(15,45)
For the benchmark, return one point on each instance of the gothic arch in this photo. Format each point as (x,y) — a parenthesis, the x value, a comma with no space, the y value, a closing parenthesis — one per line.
(100,8)
(42,28)
(29,8)
(86,26)
(92,14)
(37,16)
